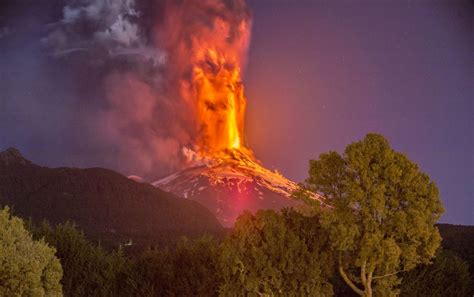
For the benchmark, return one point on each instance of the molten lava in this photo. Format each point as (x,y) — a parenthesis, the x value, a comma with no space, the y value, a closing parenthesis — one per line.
(220,101)
(209,57)
(206,42)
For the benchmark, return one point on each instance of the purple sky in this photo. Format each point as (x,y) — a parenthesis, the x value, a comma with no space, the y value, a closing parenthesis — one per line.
(322,74)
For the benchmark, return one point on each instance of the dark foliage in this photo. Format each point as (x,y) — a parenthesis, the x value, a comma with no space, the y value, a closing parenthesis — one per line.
(198,267)
(448,275)
(460,240)
(88,269)
(190,269)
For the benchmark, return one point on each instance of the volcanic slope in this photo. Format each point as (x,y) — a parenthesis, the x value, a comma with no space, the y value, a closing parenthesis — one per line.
(103,203)
(229,183)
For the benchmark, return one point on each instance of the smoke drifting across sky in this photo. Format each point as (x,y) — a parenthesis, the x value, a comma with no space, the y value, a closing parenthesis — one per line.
(105,78)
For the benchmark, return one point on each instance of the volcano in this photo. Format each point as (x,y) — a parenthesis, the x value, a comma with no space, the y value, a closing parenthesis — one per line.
(208,57)
(229,183)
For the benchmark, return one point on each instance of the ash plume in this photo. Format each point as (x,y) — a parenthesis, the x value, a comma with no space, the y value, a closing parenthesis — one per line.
(123,70)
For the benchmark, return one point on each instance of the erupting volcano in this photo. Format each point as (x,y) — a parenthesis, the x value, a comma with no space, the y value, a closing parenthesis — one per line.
(220,171)
(230,182)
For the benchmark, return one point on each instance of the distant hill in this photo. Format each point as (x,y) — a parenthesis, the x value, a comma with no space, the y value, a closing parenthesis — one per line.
(103,203)
(459,239)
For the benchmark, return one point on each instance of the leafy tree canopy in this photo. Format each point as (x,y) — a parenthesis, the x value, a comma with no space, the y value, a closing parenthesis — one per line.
(275,255)
(27,267)
(381,214)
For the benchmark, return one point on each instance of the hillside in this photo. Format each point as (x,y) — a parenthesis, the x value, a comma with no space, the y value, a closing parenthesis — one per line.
(105,204)
(459,239)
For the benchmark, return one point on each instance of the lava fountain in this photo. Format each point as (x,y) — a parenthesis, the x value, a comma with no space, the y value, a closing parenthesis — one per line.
(207,43)
(221,172)
(220,101)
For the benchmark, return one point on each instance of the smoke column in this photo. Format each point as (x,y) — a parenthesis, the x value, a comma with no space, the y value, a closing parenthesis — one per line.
(141,79)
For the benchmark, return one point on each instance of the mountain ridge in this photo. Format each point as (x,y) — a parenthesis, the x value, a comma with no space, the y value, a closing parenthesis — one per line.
(105,204)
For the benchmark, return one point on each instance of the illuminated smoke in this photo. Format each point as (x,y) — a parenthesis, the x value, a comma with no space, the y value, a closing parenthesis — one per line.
(206,42)
(171,74)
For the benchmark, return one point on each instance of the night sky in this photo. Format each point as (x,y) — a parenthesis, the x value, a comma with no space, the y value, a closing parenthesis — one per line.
(319,75)
(322,74)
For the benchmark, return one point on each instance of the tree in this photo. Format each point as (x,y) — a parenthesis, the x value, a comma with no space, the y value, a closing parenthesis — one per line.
(28,267)
(89,270)
(275,255)
(380,213)
(196,267)
(149,274)
(190,269)
(448,275)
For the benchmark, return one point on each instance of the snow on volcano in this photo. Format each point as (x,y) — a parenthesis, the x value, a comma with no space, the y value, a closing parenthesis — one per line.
(229,183)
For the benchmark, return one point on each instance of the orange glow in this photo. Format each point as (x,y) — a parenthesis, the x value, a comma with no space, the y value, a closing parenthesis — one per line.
(216,88)
(207,55)
(220,101)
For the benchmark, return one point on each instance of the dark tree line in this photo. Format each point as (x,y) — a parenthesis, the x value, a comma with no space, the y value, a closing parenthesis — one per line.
(269,253)
(375,236)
